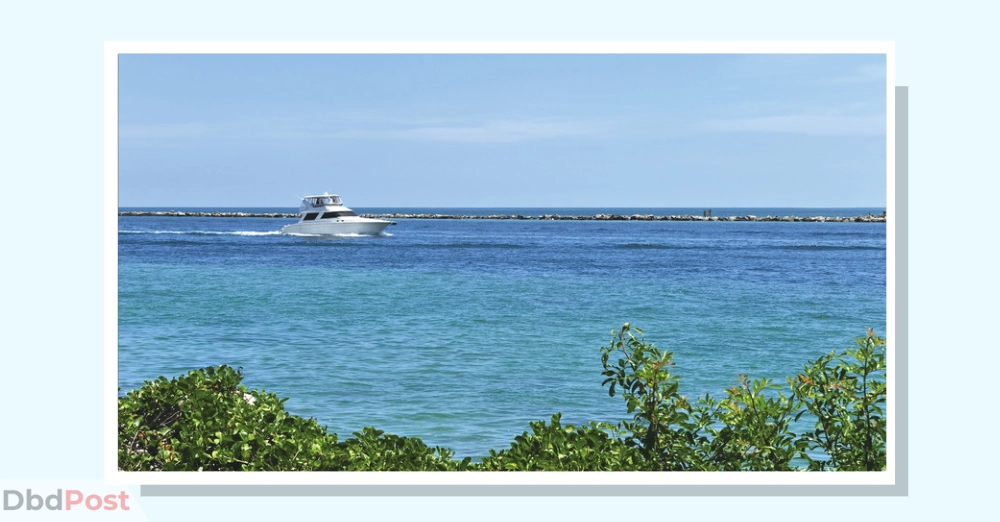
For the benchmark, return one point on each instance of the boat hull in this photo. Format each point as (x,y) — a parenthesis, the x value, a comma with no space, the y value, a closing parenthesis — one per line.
(367,227)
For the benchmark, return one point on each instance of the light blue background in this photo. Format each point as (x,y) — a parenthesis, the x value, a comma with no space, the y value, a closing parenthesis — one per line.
(51,108)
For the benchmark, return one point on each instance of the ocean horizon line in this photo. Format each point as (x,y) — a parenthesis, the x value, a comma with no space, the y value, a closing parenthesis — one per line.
(704,207)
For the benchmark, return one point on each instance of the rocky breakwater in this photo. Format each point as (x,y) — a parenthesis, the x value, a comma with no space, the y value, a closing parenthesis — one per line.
(870,218)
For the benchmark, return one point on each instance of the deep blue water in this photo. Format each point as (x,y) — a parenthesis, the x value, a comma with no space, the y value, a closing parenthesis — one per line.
(462,332)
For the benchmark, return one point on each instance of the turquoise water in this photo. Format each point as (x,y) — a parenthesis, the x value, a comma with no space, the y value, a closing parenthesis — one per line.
(462,332)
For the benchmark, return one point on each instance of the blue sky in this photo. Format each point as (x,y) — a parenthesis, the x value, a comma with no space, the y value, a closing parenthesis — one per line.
(503,130)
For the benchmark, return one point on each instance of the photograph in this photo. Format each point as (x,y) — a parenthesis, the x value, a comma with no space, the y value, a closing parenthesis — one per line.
(505,261)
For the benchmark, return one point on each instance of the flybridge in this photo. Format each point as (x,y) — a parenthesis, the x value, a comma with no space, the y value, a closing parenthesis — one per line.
(322,200)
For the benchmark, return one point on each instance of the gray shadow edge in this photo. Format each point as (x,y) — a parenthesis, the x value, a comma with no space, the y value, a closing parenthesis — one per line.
(901,222)
(518,491)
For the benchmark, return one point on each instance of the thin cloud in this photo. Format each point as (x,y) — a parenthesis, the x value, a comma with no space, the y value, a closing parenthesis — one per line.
(503,131)
(498,131)
(870,72)
(804,124)
(168,131)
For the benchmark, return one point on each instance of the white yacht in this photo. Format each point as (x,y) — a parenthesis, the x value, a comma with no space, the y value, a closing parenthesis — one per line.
(326,215)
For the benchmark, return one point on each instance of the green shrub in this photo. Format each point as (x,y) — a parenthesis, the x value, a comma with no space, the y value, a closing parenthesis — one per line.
(554,447)
(661,425)
(846,394)
(747,430)
(208,421)
(373,450)
(751,429)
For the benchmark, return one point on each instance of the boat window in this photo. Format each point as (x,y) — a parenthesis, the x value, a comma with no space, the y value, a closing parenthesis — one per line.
(311,216)
(328,215)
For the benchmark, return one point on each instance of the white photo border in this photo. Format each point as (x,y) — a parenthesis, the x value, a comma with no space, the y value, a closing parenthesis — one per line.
(894,474)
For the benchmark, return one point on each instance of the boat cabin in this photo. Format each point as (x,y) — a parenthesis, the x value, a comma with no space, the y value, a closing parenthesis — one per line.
(322,207)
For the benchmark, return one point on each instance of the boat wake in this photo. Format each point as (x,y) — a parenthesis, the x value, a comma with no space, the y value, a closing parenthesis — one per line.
(327,236)
(204,232)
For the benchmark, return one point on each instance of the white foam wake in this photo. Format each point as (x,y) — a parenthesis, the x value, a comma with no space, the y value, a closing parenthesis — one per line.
(204,232)
(299,234)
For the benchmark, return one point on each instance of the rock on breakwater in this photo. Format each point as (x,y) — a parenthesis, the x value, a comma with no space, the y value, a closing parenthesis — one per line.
(870,218)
